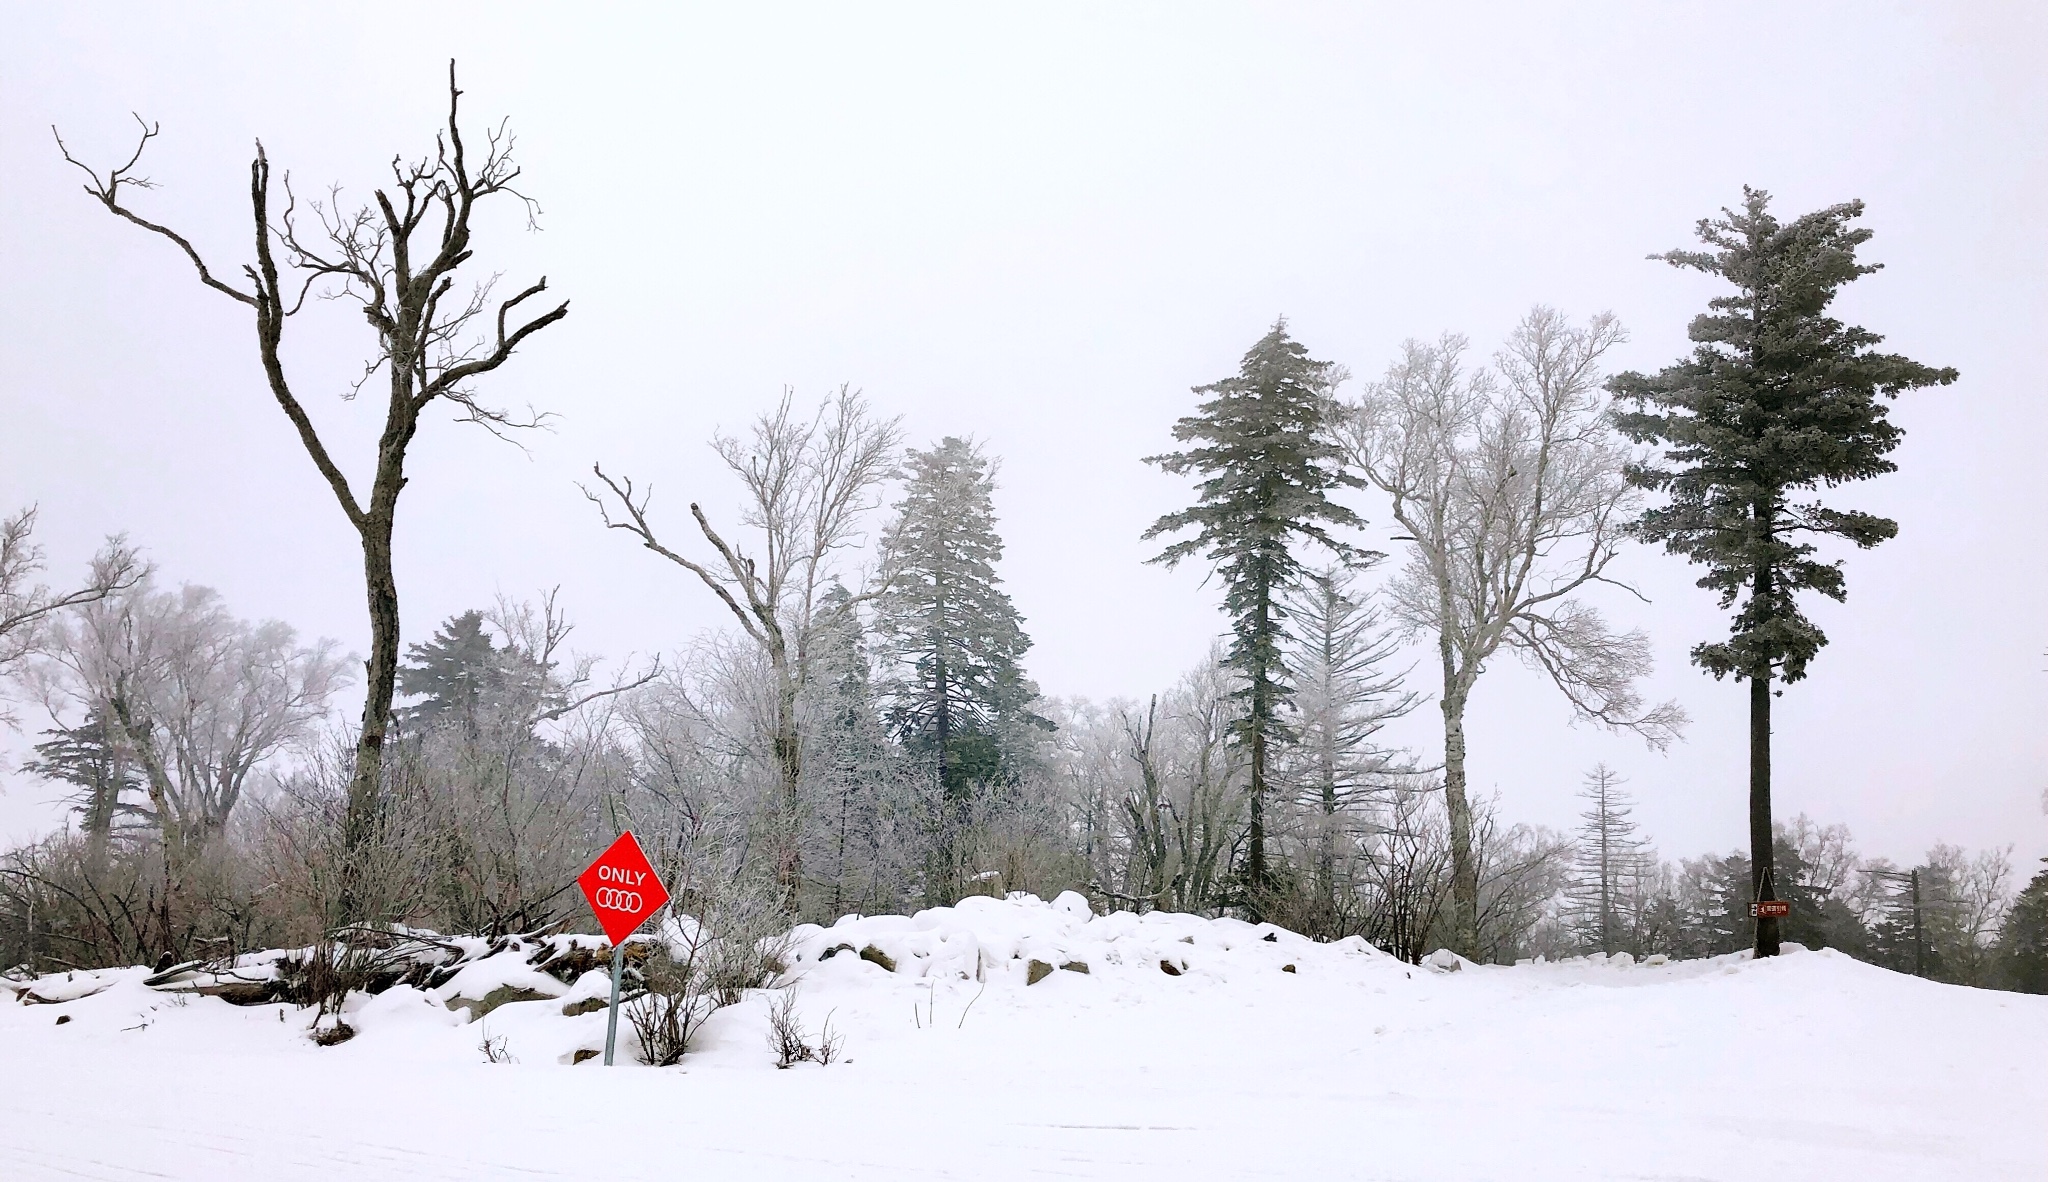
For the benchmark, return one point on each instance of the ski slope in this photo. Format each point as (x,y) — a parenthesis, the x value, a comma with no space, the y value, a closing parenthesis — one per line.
(1352,1065)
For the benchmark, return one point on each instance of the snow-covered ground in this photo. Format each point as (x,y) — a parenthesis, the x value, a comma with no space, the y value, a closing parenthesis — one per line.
(1351,1066)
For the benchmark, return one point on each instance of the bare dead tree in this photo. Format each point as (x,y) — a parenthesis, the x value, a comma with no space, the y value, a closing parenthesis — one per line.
(1509,485)
(25,606)
(809,481)
(396,257)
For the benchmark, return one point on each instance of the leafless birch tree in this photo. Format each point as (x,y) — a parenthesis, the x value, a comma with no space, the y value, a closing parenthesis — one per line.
(1508,483)
(809,480)
(397,258)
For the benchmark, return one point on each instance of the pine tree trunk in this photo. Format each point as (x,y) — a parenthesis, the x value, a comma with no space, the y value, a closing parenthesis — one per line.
(947,872)
(1261,720)
(1763,876)
(1606,880)
(1326,856)
(104,801)
(1255,852)
(839,854)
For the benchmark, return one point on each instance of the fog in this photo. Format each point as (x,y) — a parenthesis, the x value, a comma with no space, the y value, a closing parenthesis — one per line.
(1041,228)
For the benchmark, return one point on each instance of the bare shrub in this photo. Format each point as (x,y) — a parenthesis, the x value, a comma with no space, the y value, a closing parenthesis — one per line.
(787,1039)
(510,774)
(494,1048)
(298,839)
(68,902)
(667,1017)
(702,966)
(326,974)
(1008,846)
(362,958)
(1405,875)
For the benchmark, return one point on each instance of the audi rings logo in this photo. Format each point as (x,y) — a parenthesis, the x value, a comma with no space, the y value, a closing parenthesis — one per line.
(618,899)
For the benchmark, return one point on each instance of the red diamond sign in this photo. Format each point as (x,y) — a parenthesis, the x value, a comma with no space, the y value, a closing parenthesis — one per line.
(622,888)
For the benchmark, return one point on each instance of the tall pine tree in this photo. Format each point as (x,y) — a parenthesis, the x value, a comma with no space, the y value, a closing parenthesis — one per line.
(851,761)
(1777,400)
(1266,466)
(90,757)
(1344,695)
(957,696)
(1608,865)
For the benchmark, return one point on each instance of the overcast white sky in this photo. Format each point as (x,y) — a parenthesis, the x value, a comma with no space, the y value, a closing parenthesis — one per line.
(1041,226)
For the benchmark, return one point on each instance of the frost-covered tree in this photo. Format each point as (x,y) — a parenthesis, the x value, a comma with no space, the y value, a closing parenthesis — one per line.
(27,605)
(1777,400)
(1261,450)
(853,767)
(1609,865)
(951,641)
(1345,692)
(193,697)
(1508,486)
(809,483)
(1951,906)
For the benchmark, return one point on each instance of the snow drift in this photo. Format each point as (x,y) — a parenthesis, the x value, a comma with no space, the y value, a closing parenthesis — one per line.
(1017,1038)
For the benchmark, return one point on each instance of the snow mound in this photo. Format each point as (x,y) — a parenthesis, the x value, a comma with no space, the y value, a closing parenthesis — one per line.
(1001,940)
(975,1045)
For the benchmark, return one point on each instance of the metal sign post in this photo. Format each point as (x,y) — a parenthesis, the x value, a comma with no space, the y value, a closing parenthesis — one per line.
(624,891)
(611,1023)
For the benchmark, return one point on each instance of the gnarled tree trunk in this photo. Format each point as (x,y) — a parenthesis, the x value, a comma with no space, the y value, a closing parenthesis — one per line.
(398,259)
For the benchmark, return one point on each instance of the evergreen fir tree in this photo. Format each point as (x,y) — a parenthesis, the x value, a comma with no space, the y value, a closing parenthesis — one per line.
(1266,466)
(957,697)
(852,761)
(1713,906)
(456,673)
(1608,864)
(2023,939)
(1344,695)
(1818,919)
(89,757)
(1777,400)
(1900,939)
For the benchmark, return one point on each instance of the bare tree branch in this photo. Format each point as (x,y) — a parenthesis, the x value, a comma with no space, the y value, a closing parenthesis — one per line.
(808,482)
(636,523)
(26,607)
